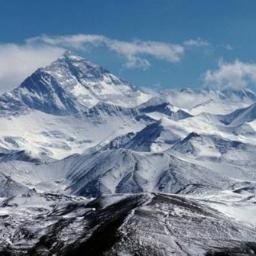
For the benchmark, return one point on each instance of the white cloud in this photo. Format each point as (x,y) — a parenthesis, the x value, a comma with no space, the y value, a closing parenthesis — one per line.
(236,74)
(19,61)
(135,52)
(228,47)
(195,43)
(159,50)
(76,41)
(137,62)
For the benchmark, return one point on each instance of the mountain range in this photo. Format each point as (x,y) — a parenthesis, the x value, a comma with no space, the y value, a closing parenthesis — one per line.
(85,158)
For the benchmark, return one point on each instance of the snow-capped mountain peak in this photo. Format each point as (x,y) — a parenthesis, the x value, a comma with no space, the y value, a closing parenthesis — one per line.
(71,64)
(70,85)
(90,83)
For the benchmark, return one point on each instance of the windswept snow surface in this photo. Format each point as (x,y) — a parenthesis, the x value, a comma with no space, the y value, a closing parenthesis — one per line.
(173,172)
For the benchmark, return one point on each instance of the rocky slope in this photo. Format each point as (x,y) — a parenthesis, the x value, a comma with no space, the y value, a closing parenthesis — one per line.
(141,224)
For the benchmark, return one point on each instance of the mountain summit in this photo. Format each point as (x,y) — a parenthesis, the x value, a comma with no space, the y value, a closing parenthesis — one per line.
(71,84)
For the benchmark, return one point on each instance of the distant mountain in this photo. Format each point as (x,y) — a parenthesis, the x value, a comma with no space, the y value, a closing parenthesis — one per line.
(241,116)
(210,100)
(157,105)
(215,147)
(70,85)
(154,137)
(204,145)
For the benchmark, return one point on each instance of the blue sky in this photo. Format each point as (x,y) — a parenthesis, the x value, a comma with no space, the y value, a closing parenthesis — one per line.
(152,43)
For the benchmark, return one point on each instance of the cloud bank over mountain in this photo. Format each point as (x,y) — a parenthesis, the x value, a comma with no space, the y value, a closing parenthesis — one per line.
(17,61)
(235,74)
(39,51)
